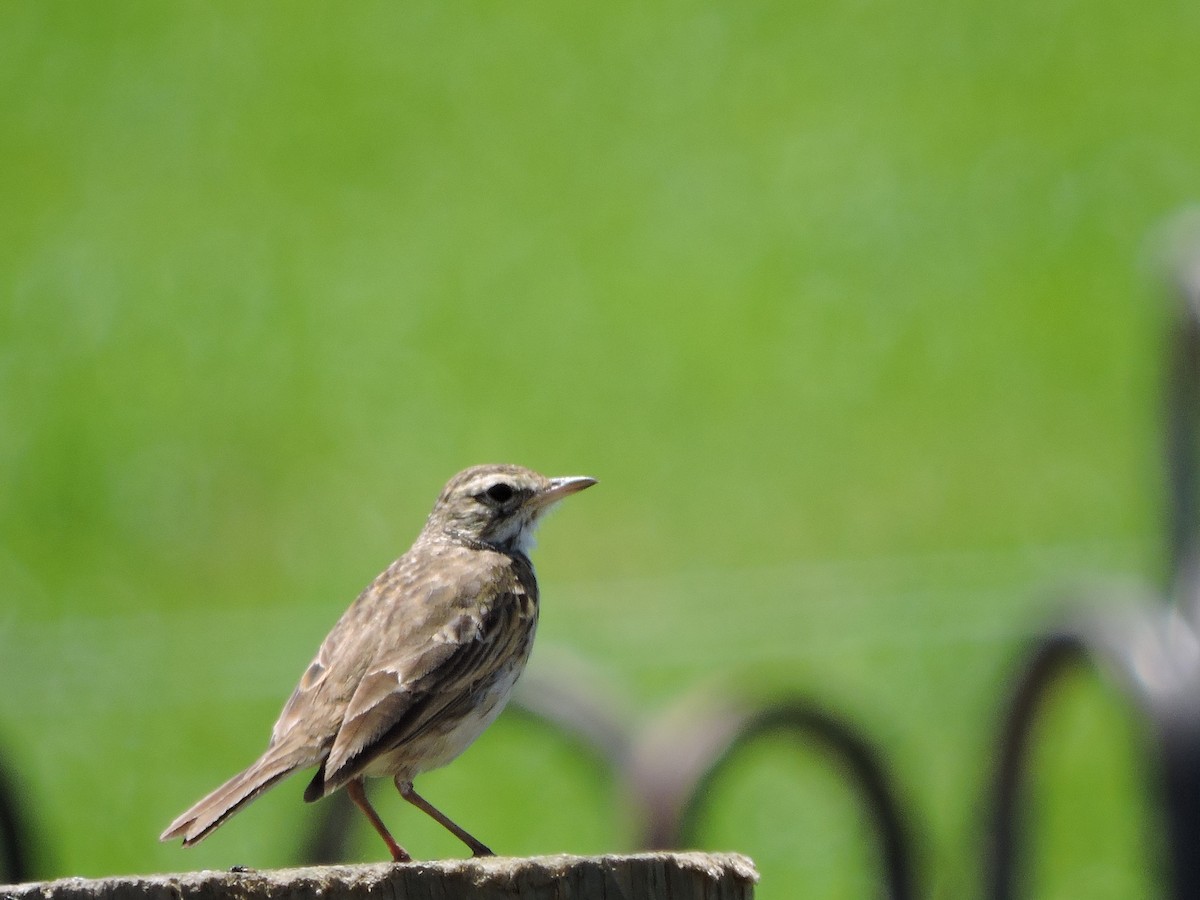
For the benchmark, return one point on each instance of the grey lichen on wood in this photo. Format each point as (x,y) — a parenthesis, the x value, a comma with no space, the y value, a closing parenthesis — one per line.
(643,876)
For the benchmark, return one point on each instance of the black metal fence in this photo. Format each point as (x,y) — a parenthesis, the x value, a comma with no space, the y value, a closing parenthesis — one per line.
(1151,653)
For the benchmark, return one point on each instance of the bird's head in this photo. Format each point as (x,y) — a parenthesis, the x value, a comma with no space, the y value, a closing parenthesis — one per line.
(498,505)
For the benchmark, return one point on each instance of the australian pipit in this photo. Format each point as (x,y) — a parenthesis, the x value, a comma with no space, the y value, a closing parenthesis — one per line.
(420,664)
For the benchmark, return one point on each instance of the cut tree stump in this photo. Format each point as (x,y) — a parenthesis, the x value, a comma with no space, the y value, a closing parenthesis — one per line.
(643,876)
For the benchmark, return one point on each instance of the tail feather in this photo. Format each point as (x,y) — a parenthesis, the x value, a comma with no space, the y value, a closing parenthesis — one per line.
(199,821)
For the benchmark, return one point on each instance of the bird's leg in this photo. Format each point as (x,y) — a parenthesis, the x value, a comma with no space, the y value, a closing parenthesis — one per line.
(406,791)
(359,796)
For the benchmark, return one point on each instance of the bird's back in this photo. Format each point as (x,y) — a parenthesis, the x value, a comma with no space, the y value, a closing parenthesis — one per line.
(445,628)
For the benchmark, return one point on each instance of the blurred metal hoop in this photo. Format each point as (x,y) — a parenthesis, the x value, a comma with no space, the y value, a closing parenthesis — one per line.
(1151,652)
(687,752)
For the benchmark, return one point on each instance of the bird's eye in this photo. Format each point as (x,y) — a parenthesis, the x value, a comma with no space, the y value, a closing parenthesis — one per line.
(500,492)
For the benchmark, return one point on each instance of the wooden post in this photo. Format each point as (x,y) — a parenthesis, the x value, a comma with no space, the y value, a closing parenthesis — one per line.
(643,876)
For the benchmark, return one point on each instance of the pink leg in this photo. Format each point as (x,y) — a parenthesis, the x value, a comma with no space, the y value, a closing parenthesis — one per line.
(406,791)
(359,796)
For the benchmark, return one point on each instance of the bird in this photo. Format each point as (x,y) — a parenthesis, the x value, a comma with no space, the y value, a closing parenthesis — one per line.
(419,665)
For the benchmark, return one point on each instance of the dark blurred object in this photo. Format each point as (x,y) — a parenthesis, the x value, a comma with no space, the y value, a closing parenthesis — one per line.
(16,840)
(681,758)
(1151,652)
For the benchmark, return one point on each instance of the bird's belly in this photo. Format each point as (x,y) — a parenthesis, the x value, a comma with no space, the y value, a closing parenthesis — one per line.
(441,744)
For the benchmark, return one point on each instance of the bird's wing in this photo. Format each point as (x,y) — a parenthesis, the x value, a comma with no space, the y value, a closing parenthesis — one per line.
(312,715)
(427,666)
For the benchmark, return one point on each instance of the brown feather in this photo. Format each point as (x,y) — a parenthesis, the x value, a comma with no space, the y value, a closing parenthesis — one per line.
(200,820)
(404,693)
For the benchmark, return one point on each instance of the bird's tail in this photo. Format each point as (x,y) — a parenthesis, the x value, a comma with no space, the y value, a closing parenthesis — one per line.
(196,824)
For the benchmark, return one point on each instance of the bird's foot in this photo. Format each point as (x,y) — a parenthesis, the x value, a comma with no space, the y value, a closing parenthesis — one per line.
(399,854)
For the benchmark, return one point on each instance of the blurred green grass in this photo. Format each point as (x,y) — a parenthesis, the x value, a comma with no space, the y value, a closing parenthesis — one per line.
(844,304)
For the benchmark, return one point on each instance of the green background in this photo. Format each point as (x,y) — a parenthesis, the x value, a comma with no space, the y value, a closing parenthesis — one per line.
(846,304)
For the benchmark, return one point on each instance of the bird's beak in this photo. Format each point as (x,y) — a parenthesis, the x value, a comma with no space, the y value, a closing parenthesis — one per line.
(562,487)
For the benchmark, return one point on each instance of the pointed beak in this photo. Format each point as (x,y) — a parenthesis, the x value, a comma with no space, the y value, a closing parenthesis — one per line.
(562,487)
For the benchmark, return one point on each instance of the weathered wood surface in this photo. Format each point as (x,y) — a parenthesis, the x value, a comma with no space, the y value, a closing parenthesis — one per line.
(645,876)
